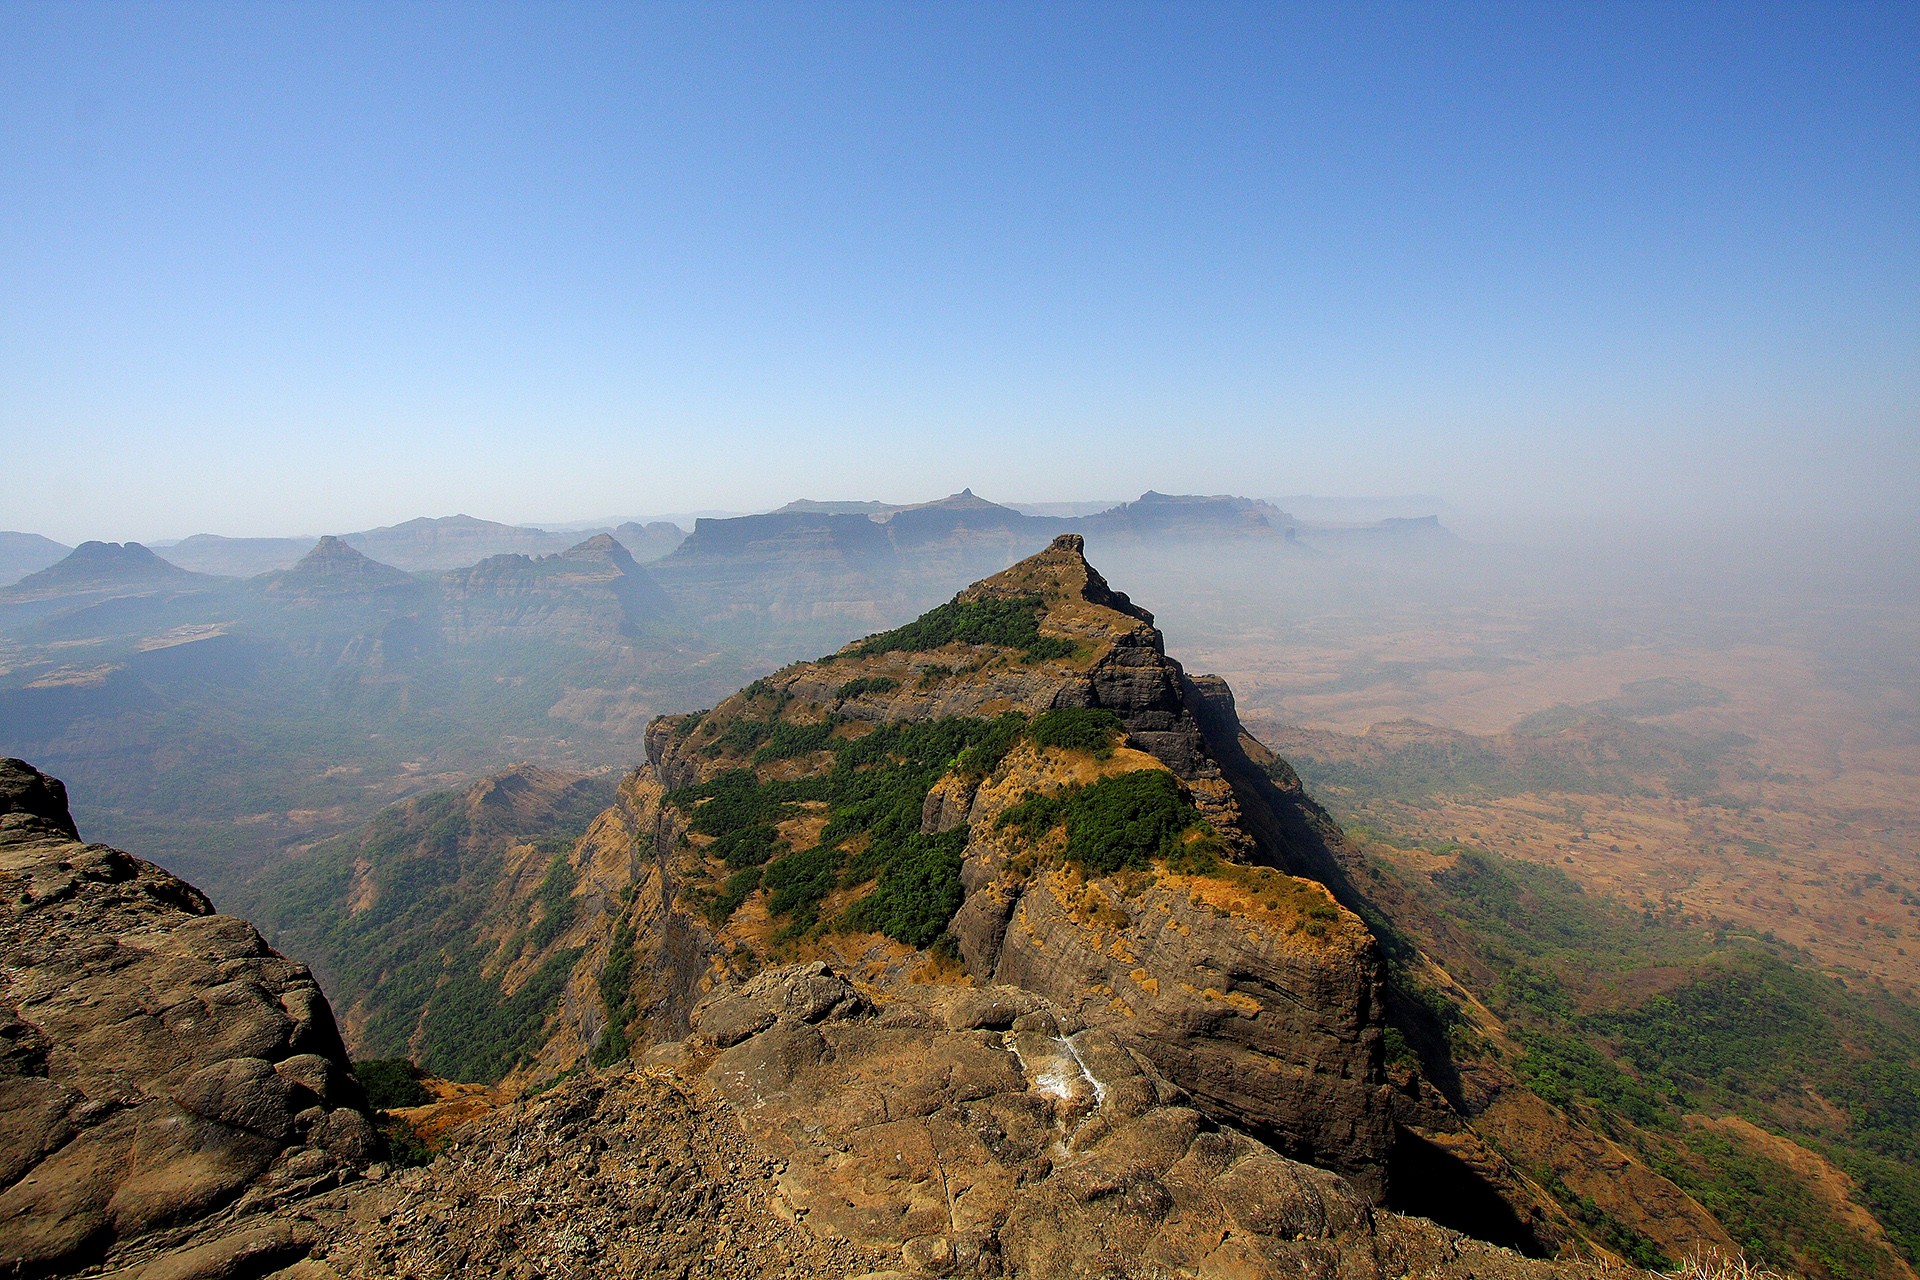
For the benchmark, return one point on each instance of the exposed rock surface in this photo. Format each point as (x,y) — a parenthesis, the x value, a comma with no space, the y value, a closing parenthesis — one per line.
(158,1062)
(804,1130)
(1263,1022)
(959,1131)
(177,1107)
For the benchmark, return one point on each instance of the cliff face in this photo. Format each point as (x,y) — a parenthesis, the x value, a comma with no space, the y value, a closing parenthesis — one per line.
(1250,989)
(593,593)
(158,1062)
(428,924)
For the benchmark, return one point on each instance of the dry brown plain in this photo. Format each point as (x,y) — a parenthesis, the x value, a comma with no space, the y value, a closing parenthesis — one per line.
(1786,800)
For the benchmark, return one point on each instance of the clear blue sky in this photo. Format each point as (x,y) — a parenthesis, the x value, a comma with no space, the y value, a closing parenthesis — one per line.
(286,268)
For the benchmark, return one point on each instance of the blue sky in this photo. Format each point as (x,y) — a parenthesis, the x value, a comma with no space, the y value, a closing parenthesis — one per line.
(279,268)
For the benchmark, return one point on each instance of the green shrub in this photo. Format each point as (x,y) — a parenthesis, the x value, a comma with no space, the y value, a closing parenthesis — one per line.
(875,790)
(746,847)
(1009,623)
(400,1144)
(991,747)
(555,897)
(391,1083)
(917,893)
(789,741)
(473,1032)
(616,996)
(732,894)
(1123,821)
(737,799)
(1092,729)
(799,882)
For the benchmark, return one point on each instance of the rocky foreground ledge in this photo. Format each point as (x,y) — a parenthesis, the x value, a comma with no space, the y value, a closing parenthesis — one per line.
(159,1063)
(804,1130)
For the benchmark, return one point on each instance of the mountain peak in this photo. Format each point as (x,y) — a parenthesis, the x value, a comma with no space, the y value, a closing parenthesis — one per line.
(602,546)
(335,551)
(336,564)
(1059,575)
(93,565)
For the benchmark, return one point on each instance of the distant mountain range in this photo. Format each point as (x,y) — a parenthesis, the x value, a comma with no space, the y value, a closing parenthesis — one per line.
(437,544)
(25,553)
(215,717)
(423,545)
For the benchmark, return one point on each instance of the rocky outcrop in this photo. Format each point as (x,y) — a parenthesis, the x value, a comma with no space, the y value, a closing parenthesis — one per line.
(803,1129)
(987,1131)
(1275,1030)
(158,1062)
(1249,989)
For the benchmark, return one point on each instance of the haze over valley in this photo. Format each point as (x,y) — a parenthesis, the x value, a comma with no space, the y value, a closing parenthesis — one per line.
(732,641)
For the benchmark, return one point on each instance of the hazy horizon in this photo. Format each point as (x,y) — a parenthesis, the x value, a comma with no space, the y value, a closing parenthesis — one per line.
(300,267)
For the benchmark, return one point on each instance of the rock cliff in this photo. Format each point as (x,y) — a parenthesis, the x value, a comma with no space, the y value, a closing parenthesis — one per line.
(158,1062)
(1252,990)
(592,592)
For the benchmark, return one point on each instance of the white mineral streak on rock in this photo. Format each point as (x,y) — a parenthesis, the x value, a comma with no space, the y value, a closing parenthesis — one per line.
(1053,1066)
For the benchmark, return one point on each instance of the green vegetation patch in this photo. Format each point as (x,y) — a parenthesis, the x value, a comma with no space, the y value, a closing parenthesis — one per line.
(1092,729)
(737,798)
(1647,1021)
(1126,820)
(555,898)
(432,866)
(874,792)
(475,1032)
(617,997)
(391,1083)
(798,882)
(1011,623)
(917,892)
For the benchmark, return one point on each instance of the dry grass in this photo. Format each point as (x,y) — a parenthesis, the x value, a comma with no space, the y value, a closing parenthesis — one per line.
(1702,1264)
(1711,1264)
